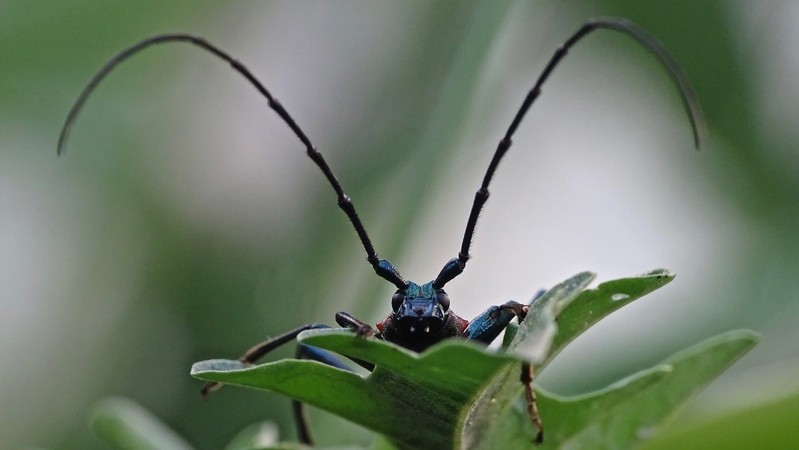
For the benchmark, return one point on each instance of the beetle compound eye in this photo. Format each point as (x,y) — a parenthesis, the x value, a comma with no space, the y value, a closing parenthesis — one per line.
(443,299)
(396,300)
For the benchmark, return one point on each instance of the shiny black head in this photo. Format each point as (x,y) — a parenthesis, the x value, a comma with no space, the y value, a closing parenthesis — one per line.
(420,310)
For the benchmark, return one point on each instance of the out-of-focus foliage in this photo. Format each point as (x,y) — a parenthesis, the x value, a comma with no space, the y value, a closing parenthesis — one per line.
(187,223)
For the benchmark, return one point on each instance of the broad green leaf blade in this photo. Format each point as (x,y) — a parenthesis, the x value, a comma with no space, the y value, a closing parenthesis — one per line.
(626,413)
(693,369)
(124,424)
(536,332)
(563,416)
(594,304)
(433,388)
(346,394)
(531,342)
(770,425)
(381,443)
(457,367)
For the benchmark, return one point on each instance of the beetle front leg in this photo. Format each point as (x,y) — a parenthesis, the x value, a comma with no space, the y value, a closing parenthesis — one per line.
(360,327)
(487,326)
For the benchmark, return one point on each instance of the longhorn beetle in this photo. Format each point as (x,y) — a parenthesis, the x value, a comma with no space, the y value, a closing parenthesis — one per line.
(420,313)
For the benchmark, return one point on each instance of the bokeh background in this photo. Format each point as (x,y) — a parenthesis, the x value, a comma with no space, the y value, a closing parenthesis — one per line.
(186,223)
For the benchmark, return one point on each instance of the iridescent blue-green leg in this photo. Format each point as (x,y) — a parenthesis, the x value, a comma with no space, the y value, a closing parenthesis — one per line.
(487,326)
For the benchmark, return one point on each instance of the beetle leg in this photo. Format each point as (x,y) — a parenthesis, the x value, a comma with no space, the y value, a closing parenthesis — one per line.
(529,394)
(487,326)
(256,352)
(301,420)
(360,327)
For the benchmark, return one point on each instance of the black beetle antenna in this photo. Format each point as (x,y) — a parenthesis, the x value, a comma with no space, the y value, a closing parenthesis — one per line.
(382,268)
(454,267)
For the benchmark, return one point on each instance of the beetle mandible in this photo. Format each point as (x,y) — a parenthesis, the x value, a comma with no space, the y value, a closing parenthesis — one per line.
(420,313)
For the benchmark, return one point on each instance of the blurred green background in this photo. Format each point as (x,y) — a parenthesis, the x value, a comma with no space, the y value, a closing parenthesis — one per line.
(186,223)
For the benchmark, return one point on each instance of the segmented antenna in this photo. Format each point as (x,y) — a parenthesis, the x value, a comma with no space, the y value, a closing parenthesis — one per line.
(454,267)
(382,267)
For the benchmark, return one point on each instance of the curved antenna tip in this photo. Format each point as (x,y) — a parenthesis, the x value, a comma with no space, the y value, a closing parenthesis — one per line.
(61,147)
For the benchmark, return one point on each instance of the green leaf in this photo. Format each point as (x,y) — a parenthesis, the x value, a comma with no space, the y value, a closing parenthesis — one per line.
(623,414)
(594,304)
(434,388)
(692,369)
(770,425)
(124,424)
(458,394)
(534,337)
(430,389)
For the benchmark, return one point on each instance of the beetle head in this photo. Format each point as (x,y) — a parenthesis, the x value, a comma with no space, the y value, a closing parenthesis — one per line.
(420,310)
